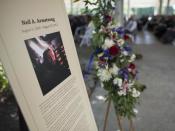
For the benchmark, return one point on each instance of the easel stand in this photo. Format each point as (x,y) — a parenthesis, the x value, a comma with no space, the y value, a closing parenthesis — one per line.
(119,118)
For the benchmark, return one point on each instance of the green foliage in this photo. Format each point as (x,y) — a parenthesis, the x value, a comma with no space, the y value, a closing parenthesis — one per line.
(98,39)
(124,105)
(140,87)
(3,79)
(100,9)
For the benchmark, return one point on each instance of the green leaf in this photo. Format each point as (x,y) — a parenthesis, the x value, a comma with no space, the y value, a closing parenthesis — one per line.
(76,0)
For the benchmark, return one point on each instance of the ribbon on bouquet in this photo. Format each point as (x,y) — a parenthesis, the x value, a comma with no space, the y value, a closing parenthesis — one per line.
(89,66)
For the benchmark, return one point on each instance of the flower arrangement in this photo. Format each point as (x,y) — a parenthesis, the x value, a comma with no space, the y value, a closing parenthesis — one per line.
(114,62)
(114,59)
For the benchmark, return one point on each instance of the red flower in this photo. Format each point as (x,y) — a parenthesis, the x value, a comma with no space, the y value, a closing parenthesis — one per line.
(113,36)
(132,66)
(114,50)
(126,37)
(108,17)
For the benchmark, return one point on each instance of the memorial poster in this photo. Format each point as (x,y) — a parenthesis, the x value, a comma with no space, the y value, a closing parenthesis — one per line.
(39,55)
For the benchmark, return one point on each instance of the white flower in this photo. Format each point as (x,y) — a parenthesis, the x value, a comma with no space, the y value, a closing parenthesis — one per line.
(125,53)
(93,32)
(114,69)
(129,90)
(118,81)
(131,84)
(100,54)
(111,25)
(122,60)
(135,111)
(104,74)
(122,93)
(102,29)
(120,42)
(132,58)
(108,43)
(135,93)
(115,81)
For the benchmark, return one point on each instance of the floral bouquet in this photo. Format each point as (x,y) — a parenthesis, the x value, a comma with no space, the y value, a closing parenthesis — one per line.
(114,62)
(114,58)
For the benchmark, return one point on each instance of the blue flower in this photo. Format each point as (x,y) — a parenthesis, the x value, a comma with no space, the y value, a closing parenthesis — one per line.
(124,73)
(107,54)
(127,48)
(98,50)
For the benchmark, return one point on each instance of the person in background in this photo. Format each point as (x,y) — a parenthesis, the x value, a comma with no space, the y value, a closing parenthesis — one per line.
(131,30)
(131,27)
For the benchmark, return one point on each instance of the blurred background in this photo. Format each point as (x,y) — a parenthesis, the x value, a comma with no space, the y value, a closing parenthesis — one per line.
(151,24)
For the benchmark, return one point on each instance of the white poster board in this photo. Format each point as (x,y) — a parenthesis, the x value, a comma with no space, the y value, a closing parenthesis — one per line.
(40,59)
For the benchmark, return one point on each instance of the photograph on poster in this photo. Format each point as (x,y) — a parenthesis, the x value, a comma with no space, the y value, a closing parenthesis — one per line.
(49,60)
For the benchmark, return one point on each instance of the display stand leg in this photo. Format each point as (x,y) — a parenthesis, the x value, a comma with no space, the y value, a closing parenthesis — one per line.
(119,122)
(106,115)
(131,125)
